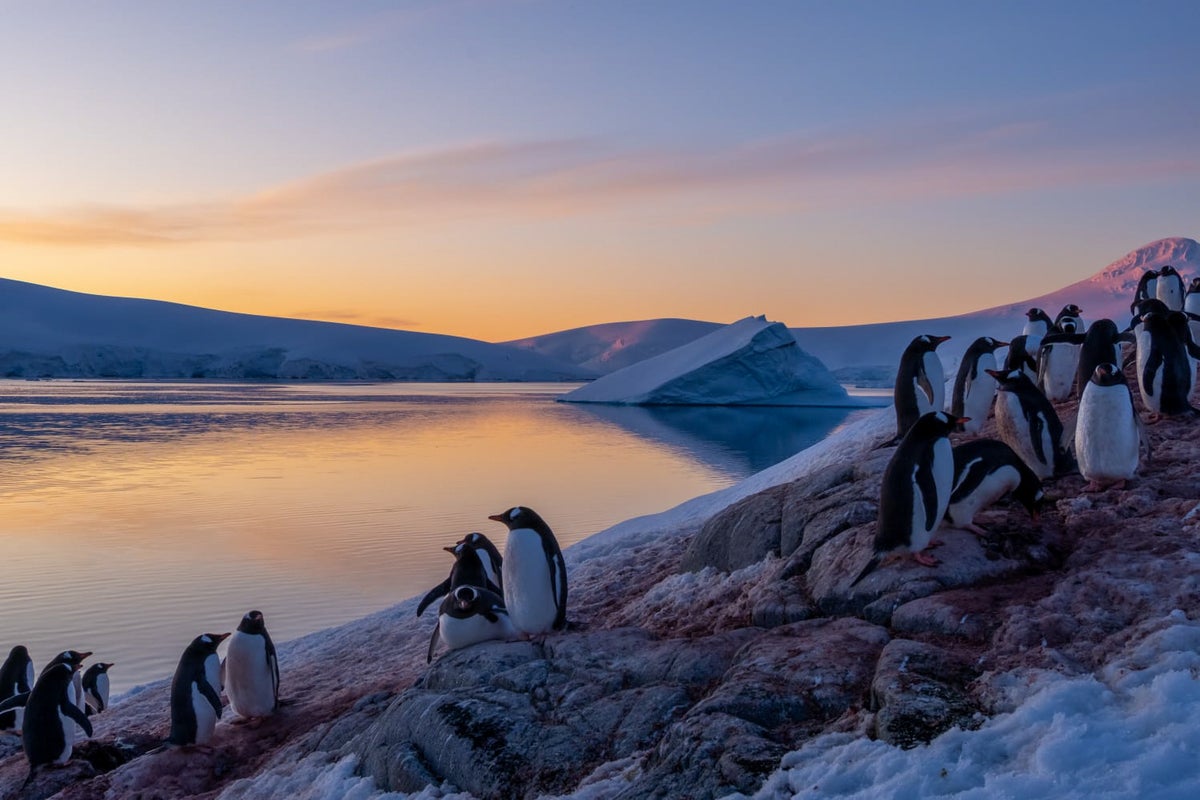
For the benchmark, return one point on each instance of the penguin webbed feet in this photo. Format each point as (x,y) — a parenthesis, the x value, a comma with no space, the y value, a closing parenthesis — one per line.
(925,559)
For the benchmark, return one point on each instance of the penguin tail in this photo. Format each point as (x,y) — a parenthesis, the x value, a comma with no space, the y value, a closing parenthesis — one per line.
(29,777)
(867,570)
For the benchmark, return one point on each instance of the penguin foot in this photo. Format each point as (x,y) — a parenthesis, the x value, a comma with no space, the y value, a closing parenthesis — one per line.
(978,531)
(925,559)
(934,543)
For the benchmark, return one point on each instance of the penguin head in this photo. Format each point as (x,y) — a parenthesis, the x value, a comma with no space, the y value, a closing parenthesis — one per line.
(1029,494)
(19,653)
(929,342)
(519,517)
(1070,310)
(1036,313)
(936,424)
(99,668)
(991,345)
(207,643)
(252,622)
(1167,270)
(73,658)
(1194,286)
(1107,375)
(465,597)
(457,549)
(1011,381)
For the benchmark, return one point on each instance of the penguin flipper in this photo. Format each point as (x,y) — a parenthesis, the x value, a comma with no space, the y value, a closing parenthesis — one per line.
(16,701)
(71,710)
(1036,424)
(437,629)
(439,591)
(210,695)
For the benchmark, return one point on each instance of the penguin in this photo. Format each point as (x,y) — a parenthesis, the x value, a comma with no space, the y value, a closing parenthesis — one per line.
(1027,422)
(1101,345)
(468,615)
(470,569)
(974,389)
(48,729)
(196,692)
(1058,361)
(915,492)
(16,678)
(1146,289)
(493,562)
(1169,288)
(535,576)
(1037,323)
(920,382)
(1165,368)
(1070,320)
(984,471)
(73,658)
(1191,307)
(95,687)
(1019,357)
(1108,433)
(252,669)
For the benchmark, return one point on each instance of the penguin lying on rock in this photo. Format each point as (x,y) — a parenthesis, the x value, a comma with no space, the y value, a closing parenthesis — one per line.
(471,562)
(915,492)
(984,471)
(468,615)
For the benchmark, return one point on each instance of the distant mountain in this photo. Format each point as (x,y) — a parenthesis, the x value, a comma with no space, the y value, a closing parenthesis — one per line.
(871,351)
(46,332)
(615,345)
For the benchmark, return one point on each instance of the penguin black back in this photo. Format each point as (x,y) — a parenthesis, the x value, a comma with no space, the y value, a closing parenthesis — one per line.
(14,680)
(1034,421)
(972,461)
(919,386)
(192,671)
(1101,345)
(468,570)
(1144,290)
(44,735)
(1019,357)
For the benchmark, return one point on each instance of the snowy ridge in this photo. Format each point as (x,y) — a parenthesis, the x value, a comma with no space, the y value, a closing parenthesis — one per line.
(611,346)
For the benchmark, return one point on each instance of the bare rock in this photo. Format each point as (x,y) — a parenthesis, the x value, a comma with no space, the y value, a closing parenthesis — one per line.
(746,532)
(920,691)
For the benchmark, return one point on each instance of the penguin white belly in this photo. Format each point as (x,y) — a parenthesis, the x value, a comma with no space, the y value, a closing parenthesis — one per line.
(1062,360)
(1106,434)
(476,628)
(1191,304)
(989,490)
(1171,293)
(206,717)
(1151,398)
(937,383)
(923,528)
(979,393)
(528,588)
(249,676)
(102,690)
(68,732)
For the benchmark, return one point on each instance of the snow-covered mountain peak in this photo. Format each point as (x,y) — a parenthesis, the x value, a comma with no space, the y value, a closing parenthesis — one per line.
(1122,275)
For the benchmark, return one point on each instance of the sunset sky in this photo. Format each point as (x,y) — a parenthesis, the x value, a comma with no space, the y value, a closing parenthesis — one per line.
(504,168)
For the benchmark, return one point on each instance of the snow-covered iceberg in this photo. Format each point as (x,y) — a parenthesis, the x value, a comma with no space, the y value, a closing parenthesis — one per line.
(749,362)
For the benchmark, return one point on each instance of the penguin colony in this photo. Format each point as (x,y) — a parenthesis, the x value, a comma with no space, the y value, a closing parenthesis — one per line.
(930,481)
(522,593)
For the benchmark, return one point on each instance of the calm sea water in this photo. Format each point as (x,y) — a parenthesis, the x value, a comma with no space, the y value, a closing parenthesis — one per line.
(134,516)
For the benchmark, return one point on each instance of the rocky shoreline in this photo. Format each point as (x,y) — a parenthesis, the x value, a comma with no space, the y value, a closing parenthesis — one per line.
(699,657)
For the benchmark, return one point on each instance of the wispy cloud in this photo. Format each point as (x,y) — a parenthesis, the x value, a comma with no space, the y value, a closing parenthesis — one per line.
(548,179)
(353,318)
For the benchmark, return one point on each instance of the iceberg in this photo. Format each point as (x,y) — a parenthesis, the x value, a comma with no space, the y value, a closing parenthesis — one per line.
(749,362)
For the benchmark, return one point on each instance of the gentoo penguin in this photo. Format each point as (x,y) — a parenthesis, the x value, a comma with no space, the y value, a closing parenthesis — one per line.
(974,389)
(95,687)
(1058,362)
(16,677)
(1019,357)
(252,669)
(470,614)
(1027,422)
(1146,289)
(915,492)
(48,730)
(920,382)
(196,692)
(984,471)
(1101,345)
(1164,363)
(1191,307)
(1108,432)
(535,576)
(1037,323)
(1070,320)
(470,569)
(1169,288)
(493,562)
(74,658)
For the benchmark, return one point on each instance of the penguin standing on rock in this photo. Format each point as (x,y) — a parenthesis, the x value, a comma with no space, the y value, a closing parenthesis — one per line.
(16,678)
(48,730)
(73,658)
(915,492)
(1037,323)
(470,615)
(1169,288)
(1070,320)
(984,471)
(1027,422)
(196,692)
(535,575)
(974,389)
(1165,368)
(252,669)
(95,687)
(1108,433)
(470,569)
(920,382)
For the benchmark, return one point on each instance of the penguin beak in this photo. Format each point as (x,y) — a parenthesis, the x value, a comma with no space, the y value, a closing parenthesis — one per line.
(1002,344)
(450,550)
(496,517)
(995,373)
(82,656)
(939,339)
(220,637)
(963,420)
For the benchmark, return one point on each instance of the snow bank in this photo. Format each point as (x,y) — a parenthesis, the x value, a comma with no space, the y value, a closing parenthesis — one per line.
(749,362)
(1133,731)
